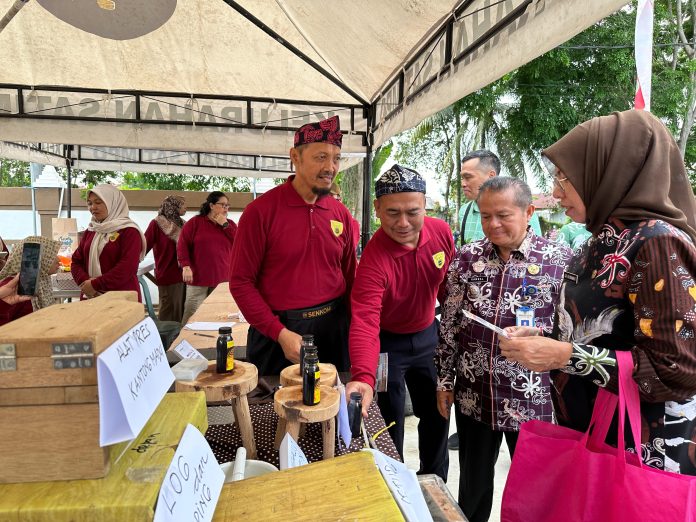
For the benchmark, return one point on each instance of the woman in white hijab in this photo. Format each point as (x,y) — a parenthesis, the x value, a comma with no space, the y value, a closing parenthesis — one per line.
(112,246)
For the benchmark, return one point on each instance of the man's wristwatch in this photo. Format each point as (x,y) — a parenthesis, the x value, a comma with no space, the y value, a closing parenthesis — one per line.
(225,224)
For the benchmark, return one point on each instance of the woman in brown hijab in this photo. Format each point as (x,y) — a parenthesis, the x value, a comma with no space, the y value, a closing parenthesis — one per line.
(162,235)
(632,287)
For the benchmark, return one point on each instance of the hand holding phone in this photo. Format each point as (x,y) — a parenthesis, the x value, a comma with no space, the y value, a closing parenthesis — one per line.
(29,269)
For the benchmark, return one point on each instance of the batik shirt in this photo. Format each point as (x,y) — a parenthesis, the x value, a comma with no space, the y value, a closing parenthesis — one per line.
(632,288)
(499,393)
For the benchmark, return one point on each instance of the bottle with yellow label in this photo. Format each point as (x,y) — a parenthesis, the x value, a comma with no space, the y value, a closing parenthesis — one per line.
(311,394)
(225,351)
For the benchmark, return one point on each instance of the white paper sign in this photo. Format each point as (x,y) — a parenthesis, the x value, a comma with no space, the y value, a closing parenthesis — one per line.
(403,484)
(191,487)
(206,326)
(291,455)
(186,351)
(133,376)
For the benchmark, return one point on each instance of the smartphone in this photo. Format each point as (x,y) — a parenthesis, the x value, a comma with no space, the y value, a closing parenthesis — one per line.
(29,269)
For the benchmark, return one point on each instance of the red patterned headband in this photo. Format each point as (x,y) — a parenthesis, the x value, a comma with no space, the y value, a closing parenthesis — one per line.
(325,131)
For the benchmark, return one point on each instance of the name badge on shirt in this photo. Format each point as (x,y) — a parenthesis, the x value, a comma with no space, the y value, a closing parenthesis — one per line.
(569,276)
(524,316)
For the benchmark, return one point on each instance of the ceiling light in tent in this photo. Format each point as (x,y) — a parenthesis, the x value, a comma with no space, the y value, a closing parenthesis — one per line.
(113,19)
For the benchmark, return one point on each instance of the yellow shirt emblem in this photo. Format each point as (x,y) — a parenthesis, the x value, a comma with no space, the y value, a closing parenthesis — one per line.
(439,259)
(336,227)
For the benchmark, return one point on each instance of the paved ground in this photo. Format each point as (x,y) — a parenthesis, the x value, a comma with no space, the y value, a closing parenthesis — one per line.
(501,469)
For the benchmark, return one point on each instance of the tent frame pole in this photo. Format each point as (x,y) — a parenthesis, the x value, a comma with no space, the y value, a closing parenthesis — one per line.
(367,178)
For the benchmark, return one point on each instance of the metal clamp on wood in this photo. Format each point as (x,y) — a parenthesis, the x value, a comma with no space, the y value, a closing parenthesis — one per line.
(8,358)
(67,356)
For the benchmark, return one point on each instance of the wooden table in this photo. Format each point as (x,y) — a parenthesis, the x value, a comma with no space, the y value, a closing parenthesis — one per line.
(217,307)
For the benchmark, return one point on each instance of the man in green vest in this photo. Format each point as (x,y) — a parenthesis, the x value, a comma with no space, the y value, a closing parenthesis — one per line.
(477,167)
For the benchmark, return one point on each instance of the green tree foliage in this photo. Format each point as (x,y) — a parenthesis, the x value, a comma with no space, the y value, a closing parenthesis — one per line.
(14,173)
(532,107)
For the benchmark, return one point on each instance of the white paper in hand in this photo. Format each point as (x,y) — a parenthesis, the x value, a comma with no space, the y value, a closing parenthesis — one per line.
(291,455)
(403,484)
(191,487)
(186,351)
(133,376)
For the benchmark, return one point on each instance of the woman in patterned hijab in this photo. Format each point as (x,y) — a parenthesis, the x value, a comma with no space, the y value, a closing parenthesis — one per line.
(162,235)
(44,288)
(631,288)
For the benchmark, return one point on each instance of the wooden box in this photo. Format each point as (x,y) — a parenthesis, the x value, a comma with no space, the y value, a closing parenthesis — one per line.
(129,492)
(48,388)
(349,487)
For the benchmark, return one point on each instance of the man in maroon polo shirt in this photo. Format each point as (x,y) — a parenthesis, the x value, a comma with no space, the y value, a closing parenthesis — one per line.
(293,259)
(401,273)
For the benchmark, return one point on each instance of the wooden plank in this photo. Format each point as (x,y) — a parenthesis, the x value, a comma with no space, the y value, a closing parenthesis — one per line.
(349,487)
(55,442)
(129,491)
(46,396)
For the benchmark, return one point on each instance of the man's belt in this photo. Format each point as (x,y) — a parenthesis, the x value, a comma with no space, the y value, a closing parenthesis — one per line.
(313,312)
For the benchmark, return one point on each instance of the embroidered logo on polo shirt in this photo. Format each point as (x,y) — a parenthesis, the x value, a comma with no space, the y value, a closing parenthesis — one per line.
(113,236)
(439,259)
(336,227)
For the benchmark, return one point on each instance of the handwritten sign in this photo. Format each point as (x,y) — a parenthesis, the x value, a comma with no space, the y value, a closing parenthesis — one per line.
(186,351)
(403,484)
(192,484)
(133,376)
(291,456)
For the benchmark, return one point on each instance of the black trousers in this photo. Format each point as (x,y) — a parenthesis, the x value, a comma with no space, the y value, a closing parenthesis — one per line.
(411,364)
(479,446)
(330,332)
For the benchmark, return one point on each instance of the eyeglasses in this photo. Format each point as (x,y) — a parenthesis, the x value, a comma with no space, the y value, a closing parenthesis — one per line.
(558,182)
(223,205)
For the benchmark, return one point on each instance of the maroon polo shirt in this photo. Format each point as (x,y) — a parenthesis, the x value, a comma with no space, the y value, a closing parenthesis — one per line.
(289,255)
(118,261)
(206,247)
(167,271)
(395,290)
(10,312)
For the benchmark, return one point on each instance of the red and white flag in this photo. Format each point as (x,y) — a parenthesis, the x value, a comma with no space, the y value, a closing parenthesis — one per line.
(643,50)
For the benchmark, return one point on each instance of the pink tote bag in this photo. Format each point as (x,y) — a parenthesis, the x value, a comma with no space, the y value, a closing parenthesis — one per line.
(562,475)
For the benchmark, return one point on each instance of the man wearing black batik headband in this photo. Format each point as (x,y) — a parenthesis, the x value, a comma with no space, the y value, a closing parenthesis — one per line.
(401,273)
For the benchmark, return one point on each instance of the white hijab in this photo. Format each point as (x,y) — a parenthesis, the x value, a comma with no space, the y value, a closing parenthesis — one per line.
(116,219)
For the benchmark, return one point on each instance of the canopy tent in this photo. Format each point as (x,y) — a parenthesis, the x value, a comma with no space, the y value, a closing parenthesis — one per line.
(219,86)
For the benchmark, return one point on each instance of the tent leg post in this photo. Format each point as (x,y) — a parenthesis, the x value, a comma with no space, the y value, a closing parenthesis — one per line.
(68,164)
(367,180)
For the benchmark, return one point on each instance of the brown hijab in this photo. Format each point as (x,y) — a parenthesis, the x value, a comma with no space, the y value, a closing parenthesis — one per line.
(627,165)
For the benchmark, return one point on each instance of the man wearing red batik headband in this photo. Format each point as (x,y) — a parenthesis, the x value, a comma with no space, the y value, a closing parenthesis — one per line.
(293,260)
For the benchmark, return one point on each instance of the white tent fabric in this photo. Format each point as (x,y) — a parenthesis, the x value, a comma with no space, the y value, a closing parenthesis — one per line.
(237,77)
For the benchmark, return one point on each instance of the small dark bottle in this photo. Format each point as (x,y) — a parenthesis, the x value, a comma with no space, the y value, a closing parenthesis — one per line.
(355,413)
(307,341)
(310,381)
(225,350)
